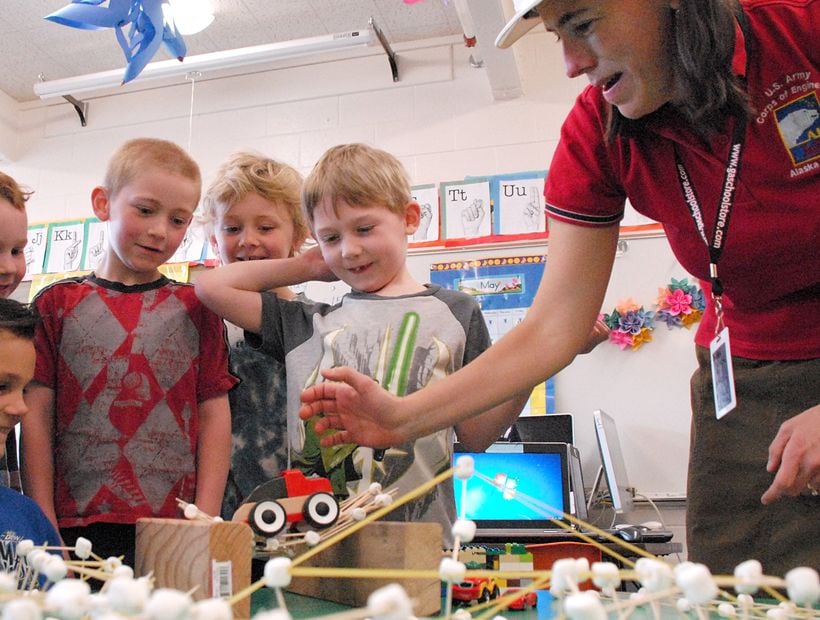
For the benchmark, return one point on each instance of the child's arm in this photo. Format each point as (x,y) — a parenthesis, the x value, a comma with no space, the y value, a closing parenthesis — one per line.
(478,432)
(213,453)
(232,291)
(37,453)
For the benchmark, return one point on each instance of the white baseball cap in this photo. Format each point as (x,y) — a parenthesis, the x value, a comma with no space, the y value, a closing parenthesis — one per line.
(524,20)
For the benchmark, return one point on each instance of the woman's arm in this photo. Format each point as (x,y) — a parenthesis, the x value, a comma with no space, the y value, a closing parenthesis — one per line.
(555,329)
(476,433)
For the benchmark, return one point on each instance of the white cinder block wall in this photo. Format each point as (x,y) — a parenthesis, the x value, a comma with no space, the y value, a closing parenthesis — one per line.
(440,119)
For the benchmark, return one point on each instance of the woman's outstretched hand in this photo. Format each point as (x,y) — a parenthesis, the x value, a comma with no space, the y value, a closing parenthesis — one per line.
(356,406)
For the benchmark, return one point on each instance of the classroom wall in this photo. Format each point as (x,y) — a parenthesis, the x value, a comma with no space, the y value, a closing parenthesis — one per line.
(440,119)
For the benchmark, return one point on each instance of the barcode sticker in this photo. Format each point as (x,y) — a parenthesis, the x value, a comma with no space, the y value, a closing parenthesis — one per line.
(221,579)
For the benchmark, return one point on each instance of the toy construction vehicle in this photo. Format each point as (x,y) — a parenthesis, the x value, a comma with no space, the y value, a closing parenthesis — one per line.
(290,498)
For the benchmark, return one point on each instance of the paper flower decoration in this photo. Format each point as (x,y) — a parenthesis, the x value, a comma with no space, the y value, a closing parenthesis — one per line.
(629,325)
(680,304)
(145,20)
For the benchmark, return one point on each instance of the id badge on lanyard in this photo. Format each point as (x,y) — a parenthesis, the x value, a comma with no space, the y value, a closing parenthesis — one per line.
(723,379)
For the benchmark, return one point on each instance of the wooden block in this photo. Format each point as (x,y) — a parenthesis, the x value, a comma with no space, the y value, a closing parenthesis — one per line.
(214,558)
(380,545)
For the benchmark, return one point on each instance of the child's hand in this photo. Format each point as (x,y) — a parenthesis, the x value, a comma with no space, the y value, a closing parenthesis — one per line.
(317,266)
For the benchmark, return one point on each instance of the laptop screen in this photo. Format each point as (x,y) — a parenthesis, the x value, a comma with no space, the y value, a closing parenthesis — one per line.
(532,483)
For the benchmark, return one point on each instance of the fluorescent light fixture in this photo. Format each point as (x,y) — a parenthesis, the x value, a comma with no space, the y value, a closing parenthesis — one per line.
(227,59)
(190,16)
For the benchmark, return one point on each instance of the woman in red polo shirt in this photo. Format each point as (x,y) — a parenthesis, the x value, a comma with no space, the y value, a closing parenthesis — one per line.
(705,115)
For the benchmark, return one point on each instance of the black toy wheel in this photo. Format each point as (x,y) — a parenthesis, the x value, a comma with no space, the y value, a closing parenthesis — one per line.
(321,510)
(268,518)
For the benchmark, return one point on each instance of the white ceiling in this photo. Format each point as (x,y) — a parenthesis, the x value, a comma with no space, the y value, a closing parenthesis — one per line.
(30,45)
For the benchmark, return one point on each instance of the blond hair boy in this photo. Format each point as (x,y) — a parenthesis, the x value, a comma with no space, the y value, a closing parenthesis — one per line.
(400,332)
(130,406)
(252,211)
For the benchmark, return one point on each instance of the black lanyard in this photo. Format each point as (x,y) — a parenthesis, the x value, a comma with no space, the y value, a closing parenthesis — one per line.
(725,203)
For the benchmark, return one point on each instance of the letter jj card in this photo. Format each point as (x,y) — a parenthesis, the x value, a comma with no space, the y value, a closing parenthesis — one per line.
(723,378)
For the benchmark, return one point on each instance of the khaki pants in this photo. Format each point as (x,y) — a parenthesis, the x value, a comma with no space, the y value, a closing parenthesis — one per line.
(726,523)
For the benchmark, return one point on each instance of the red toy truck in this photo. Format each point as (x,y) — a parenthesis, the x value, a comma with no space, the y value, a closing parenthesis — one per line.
(289,498)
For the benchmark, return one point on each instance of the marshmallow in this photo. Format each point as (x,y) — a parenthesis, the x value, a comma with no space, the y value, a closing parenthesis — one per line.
(584,606)
(8,583)
(24,547)
(168,604)
(697,583)
(465,467)
(383,499)
(745,601)
(21,609)
(748,575)
(82,548)
(312,538)
(451,571)
(54,568)
(37,558)
(464,529)
(127,595)
(277,572)
(654,575)
(565,575)
(803,586)
(112,563)
(68,599)
(123,571)
(390,603)
(606,575)
(212,609)
(191,511)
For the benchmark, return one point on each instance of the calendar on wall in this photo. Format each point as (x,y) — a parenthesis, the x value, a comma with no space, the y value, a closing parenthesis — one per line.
(504,288)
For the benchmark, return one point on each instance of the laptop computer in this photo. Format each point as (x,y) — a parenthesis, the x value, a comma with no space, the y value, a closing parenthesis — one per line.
(552,427)
(532,484)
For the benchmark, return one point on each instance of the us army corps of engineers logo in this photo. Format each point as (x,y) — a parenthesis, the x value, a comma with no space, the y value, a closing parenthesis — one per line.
(798,122)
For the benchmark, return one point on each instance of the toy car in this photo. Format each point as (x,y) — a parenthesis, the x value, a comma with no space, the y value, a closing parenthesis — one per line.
(291,497)
(480,589)
(528,600)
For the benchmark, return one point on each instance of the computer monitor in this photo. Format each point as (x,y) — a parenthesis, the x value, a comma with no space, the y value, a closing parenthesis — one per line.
(612,462)
(551,427)
(539,471)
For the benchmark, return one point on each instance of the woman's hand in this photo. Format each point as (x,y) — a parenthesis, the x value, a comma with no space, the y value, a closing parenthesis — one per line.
(795,456)
(358,407)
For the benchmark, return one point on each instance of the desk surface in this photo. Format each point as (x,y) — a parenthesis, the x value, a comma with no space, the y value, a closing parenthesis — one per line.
(304,607)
